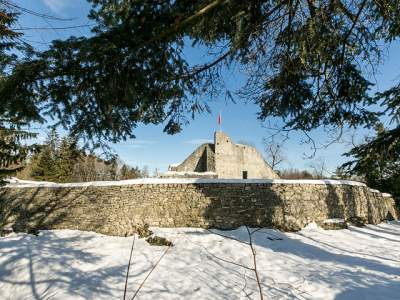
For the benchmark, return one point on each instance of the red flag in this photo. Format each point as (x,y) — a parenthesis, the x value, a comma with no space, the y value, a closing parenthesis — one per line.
(219,119)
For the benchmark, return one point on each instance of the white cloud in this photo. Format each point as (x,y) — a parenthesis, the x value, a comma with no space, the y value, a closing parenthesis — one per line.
(199,141)
(56,6)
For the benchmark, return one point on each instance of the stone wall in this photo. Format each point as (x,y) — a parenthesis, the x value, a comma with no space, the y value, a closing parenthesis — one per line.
(117,209)
(201,160)
(231,160)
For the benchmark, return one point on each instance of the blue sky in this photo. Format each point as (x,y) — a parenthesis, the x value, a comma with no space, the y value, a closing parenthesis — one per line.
(156,149)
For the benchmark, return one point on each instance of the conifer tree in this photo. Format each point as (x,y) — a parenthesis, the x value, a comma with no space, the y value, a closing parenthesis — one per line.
(53,141)
(44,162)
(44,165)
(378,164)
(128,172)
(13,149)
(114,165)
(67,157)
(125,172)
(306,63)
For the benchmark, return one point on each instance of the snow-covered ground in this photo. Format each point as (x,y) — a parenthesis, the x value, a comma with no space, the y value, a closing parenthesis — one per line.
(358,263)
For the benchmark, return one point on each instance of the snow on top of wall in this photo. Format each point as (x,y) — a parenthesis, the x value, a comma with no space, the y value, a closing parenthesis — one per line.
(334,221)
(188,173)
(382,194)
(14,182)
(386,195)
(175,164)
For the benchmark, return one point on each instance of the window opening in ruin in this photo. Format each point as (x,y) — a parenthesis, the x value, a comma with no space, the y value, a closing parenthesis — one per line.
(244,174)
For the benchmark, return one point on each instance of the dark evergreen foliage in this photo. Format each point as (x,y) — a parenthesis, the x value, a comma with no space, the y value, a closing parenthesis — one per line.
(44,165)
(62,160)
(304,60)
(128,172)
(307,63)
(378,162)
(68,154)
(13,116)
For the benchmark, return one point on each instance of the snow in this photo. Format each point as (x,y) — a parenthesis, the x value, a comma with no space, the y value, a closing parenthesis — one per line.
(386,195)
(355,263)
(334,221)
(175,164)
(311,226)
(183,173)
(14,182)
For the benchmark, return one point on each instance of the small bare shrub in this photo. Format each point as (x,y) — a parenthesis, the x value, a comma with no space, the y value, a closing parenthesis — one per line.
(158,241)
(143,231)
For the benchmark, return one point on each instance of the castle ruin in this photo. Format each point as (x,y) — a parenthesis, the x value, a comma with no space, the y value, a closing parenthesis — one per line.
(223,159)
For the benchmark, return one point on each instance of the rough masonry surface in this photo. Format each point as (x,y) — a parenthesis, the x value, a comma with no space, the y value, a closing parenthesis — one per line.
(118,209)
(226,159)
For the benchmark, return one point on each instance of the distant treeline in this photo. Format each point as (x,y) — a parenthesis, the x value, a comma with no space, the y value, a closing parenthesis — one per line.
(305,174)
(62,160)
(295,174)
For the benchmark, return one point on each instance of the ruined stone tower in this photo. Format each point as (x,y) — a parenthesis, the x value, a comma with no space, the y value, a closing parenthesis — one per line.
(223,159)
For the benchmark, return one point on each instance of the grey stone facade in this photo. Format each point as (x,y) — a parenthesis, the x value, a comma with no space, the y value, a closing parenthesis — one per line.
(201,160)
(226,159)
(116,210)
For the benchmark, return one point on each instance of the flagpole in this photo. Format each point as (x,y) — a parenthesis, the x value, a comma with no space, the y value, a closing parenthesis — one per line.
(220,121)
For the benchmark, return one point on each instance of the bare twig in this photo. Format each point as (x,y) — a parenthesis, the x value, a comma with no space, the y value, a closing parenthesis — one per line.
(198,69)
(245,285)
(151,271)
(228,237)
(129,265)
(52,28)
(16,7)
(274,153)
(220,258)
(253,251)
